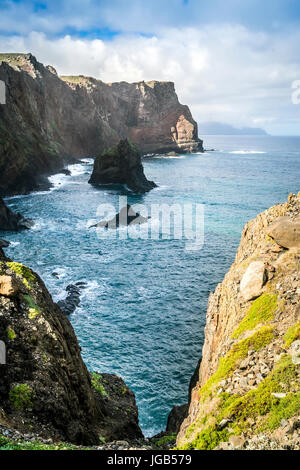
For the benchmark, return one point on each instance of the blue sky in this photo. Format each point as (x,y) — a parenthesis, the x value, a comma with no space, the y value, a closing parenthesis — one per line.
(83,17)
(231,60)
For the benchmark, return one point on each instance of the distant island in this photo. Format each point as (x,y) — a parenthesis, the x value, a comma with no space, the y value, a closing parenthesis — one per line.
(219,128)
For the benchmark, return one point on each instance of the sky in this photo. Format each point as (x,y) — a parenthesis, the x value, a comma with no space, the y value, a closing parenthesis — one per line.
(232,61)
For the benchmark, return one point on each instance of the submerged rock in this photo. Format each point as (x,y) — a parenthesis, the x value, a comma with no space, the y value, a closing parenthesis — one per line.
(45,386)
(126,216)
(72,301)
(121,165)
(12,222)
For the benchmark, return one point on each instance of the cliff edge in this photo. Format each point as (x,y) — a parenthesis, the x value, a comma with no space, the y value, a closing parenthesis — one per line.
(248,390)
(49,120)
(45,387)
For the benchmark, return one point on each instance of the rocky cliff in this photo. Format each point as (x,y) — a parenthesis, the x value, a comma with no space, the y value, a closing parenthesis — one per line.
(11,221)
(45,387)
(49,119)
(248,390)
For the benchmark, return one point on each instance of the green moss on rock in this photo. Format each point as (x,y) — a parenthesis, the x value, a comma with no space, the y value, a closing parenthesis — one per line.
(262,310)
(21,396)
(11,333)
(292,334)
(261,402)
(25,273)
(236,354)
(34,310)
(97,385)
(208,439)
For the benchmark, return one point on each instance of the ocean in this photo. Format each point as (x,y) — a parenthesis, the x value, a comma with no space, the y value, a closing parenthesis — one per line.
(143,312)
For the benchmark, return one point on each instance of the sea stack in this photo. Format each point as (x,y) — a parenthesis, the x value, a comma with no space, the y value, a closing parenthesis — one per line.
(121,165)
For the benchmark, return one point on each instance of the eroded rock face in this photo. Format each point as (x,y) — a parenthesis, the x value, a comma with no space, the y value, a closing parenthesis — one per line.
(45,387)
(73,117)
(121,165)
(11,221)
(250,370)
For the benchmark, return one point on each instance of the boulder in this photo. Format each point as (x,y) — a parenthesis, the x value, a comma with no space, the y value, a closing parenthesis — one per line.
(237,442)
(8,286)
(121,165)
(286,232)
(253,280)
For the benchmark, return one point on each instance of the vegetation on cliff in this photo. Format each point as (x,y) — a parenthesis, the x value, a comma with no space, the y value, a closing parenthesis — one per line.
(248,390)
(45,387)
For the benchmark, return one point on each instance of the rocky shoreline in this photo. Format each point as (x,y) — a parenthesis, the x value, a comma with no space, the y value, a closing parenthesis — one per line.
(245,391)
(71,117)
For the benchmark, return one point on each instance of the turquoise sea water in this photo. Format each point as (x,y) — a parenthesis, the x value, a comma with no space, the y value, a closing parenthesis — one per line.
(143,313)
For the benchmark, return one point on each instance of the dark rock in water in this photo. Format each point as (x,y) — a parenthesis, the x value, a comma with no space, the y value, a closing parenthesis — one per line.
(45,387)
(2,255)
(4,243)
(11,221)
(126,216)
(72,301)
(55,274)
(113,394)
(91,116)
(121,165)
(65,171)
(176,417)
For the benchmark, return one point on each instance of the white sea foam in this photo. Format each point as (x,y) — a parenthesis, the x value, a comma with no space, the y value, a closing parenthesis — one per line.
(12,244)
(246,152)
(57,180)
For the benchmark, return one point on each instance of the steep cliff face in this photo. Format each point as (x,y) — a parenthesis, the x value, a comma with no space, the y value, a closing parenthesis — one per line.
(248,390)
(45,387)
(11,221)
(49,119)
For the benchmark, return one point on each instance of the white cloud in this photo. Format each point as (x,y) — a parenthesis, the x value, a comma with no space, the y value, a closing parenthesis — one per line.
(224,73)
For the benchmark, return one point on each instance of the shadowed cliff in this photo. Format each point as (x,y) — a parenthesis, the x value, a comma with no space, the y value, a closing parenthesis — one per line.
(47,120)
(45,387)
